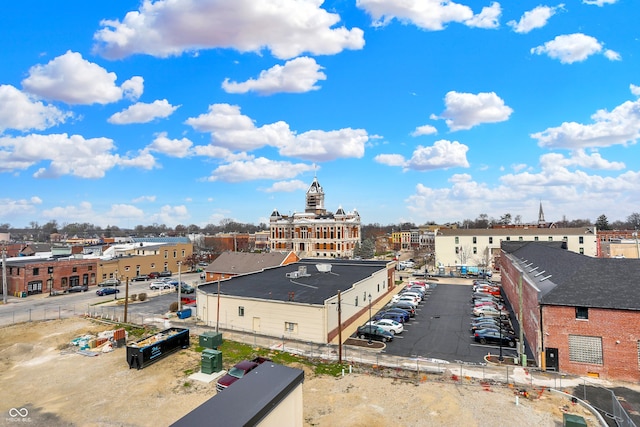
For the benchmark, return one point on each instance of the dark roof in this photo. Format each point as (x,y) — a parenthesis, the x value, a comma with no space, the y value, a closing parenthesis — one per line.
(571,279)
(178,239)
(529,231)
(246,262)
(314,288)
(248,400)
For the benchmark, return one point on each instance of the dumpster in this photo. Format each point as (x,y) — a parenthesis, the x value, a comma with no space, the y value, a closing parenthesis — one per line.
(211,340)
(146,351)
(211,361)
(183,314)
(569,420)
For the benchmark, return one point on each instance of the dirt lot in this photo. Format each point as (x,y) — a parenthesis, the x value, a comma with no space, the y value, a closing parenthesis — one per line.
(59,387)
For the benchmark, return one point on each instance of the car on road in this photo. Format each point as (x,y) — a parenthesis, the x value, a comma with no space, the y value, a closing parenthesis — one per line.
(493,336)
(373,333)
(388,325)
(107,291)
(140,278)
(77,288)
(109,282)
(158,284)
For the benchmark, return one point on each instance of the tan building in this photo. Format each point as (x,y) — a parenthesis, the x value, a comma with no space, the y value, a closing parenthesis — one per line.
(316,232)
(143,256)
(481,247)
(231,264)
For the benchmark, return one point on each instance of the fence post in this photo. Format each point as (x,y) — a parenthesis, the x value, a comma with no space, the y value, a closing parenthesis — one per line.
(29,315)
(507,374)
(59,312)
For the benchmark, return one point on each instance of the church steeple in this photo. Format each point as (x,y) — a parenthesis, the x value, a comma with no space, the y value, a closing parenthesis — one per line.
(315,198)
(541,222)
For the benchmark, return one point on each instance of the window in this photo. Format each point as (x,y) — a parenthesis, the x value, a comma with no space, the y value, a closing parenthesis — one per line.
(491,240)
(582,313)
(356,304)
(175,254)
(585,349)
(475,240)
(290,327)
(75,269)
(36,271)
(581,240)
(582,251)
(520,238)
(166,254)
(241,311)
(457,240)
(475,250)
(508,238)
(50,270)
(638,354)
(551,238)
(535,239)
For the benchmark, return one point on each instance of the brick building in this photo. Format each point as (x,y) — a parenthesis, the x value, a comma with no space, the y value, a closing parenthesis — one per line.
(578,314)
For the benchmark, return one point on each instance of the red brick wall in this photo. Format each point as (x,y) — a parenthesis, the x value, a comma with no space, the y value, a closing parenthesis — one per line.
(620,361)
(530,309)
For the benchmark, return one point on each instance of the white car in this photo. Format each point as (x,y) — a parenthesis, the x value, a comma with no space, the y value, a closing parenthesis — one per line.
(408,299)
(388,325)
(159,284)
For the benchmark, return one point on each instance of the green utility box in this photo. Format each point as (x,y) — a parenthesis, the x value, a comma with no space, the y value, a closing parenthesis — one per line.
(569,420)
(211,340)
(211,361)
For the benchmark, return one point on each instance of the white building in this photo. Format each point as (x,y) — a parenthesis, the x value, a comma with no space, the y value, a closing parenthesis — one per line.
(481,247)
(315,232)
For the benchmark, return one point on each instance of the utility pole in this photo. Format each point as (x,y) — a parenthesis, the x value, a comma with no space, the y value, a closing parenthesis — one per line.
(4,273)
(339,330)
(126,299)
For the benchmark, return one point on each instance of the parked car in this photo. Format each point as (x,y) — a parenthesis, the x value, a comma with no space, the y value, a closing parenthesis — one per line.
(374,333)
(238,371)
(409,299)
(77,288)
(184,287)
(491,325)
(404,306)
(165,273)
(140,278)
(154,275)
(490,311)
(107,291)
(417,295)
(484,336)
(388,325)
(109,282)
(404,313)
(389,315)
(158,284)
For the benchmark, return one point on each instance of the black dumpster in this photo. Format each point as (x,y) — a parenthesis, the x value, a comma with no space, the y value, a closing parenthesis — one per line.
(148,350)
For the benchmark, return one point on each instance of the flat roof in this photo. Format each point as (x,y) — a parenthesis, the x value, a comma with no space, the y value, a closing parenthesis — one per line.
(313,288)
(248,400)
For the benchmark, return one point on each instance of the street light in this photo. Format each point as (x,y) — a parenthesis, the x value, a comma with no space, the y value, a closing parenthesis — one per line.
(50,284)
(370,325)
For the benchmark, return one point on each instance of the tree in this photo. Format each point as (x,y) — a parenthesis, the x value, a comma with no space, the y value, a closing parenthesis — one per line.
(505,219)
(634,220)
(602,223)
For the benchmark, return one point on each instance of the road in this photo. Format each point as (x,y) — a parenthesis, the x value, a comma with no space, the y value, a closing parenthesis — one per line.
(44,307)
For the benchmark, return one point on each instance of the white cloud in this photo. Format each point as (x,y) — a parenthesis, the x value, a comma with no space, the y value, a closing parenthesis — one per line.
(172,147)
(620,126)
(132,89)
(442,154)
(286,186)
(74,80)
(579,158)
(143,113)
(430,15)
(634,89)
(19,209)
(171,215)
(234,131)
(572,48)
(488,18)
(18,111)
(319,145)
(466,110)
(612,55)
(287,28)
(535,18)
(260,168)
(599,2)
(67,155)
(144,199)
(424,130)
(296,76)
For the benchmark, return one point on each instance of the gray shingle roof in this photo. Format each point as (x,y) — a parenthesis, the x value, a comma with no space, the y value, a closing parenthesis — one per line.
(579,280)
(245,262)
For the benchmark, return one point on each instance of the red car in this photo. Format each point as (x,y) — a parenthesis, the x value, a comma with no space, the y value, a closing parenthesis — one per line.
(238,371)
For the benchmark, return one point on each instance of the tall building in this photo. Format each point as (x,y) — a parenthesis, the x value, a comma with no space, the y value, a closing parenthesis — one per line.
(315,232)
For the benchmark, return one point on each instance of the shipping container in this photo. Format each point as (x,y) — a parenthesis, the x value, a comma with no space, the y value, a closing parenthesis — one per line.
(146,351)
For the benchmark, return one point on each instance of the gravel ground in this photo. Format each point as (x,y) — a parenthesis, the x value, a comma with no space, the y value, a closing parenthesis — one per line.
(62,388)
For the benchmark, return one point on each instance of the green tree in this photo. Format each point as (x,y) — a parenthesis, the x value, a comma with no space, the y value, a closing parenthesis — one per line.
(603,223)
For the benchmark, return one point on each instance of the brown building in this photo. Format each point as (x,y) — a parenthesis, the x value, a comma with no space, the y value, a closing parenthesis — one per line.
(30,275)
(579,315)
(231,264)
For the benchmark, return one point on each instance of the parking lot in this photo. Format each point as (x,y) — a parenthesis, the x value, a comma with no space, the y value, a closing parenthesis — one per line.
(441,328)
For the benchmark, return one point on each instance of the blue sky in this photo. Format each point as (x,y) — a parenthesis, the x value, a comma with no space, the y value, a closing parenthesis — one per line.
(187,112)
